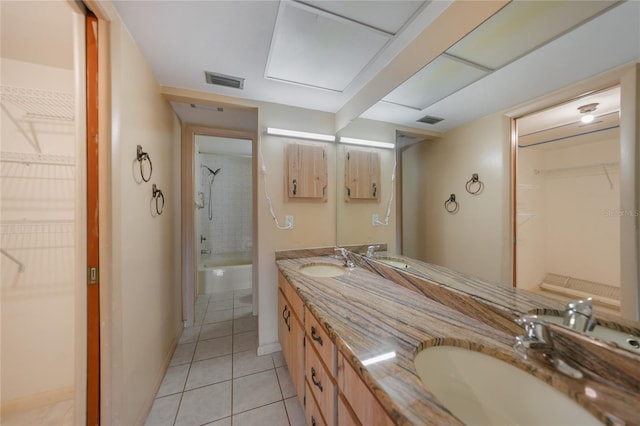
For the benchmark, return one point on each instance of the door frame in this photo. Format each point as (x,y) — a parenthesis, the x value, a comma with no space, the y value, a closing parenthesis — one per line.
(628,78)
(188,245)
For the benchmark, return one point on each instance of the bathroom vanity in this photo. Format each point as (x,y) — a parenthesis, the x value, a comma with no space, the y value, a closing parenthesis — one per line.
(359,331)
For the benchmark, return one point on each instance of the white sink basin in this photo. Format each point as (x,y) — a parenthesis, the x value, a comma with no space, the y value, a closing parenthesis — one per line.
(322,270)
(622,339)
(481,390)
(396,263)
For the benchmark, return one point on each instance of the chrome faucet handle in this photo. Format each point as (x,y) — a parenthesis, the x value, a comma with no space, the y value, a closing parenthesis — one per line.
(343,252)
(579,315)
(536,329)
(371,250)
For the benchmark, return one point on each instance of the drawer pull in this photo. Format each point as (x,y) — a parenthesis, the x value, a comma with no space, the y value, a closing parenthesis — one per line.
(315,337)
(313,421)
(318,383)
(286,317)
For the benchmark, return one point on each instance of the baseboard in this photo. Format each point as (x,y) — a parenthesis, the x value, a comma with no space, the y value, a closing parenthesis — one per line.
(37,400)
(269,348)
(165,365)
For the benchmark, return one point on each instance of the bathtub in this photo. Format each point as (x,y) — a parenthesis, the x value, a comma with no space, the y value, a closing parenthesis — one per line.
(214,278)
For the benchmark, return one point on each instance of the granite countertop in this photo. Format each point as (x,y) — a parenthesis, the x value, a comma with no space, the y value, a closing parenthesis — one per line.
(367,315)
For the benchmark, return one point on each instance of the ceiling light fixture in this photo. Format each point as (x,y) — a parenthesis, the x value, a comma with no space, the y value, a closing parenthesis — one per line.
(587,110)
(302,135)
(354,141)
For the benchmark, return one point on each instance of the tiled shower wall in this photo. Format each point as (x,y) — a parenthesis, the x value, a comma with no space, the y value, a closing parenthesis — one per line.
(228,234)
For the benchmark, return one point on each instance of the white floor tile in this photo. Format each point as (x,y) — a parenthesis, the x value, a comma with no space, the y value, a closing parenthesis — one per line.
(272,415)
(164,410)
(217,316)
(174,380)
(183,354)
(217,329)
(220,305)
(248,362)
(278,359)
(243,325)
(295,412)
(286,385)
(245,341)
(205,405)
(209,371)
(190,334)
(255,391)
(212,348)
(222,422)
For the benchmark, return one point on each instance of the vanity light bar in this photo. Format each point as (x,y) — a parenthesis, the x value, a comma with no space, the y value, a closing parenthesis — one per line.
(365,142)
(301,135)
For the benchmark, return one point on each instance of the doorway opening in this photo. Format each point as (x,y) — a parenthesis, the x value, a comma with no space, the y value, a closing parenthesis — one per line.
(223,213)
(567,212)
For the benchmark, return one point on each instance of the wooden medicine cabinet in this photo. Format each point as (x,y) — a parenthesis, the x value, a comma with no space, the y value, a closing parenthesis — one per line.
(362,175)
(306,171)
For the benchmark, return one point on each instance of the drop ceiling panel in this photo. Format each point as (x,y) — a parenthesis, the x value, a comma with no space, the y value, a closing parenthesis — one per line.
(315,49)
(437,80)
(385,16)
(521,27)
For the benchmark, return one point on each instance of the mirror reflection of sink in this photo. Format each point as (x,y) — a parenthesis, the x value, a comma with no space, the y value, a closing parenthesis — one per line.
(396,263)
(620,338)
(322,270)
(480,389)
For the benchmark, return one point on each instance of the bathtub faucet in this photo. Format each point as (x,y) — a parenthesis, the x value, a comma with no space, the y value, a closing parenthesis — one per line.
(208,251)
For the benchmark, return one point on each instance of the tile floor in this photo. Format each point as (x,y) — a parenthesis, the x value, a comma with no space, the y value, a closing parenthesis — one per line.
(216,378)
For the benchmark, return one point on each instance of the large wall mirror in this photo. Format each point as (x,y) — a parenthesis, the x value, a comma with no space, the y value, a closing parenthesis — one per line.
(478,86)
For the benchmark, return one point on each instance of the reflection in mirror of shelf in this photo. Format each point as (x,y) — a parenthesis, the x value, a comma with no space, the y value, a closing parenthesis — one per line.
(362,175)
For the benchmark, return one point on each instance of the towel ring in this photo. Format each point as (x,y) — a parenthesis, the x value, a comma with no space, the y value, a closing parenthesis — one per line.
(157,194)
(474,186)
(141,156)
(451,205)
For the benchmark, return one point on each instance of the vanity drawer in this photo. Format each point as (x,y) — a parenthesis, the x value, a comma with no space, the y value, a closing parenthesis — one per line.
(362,401)
(311,410)
(318,338)
(321,385)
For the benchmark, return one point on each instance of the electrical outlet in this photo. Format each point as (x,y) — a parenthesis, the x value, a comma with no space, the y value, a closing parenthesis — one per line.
(375,220)
(288,222)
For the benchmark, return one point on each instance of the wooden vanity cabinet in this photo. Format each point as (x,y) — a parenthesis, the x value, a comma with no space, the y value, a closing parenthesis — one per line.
(328,388)
(357,399)
(291,333)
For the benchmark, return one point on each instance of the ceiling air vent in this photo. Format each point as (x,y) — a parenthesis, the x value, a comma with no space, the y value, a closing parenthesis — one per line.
(429,119)
(224,80)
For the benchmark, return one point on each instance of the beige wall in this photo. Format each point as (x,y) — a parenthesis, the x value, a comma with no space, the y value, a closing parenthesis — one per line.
(476,239)
(145,287)
(314,221)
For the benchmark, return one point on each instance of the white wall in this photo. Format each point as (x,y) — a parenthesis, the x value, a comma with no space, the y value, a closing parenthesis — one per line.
(576,227)
(145,289)
(476,239)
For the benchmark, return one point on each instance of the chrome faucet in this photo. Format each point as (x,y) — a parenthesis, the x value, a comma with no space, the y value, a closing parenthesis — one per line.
(537,338)
(343,252)
(371,251)
(579,315)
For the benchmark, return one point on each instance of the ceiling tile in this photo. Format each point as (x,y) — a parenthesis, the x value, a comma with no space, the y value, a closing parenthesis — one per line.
(437,80)
(318,50)
(388,16)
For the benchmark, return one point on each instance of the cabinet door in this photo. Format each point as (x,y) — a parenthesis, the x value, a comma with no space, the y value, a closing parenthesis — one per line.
(307,175)
(284,318)
(362,175)
(296,349)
